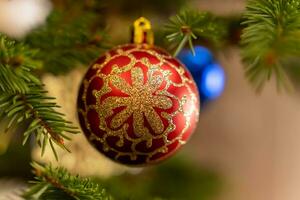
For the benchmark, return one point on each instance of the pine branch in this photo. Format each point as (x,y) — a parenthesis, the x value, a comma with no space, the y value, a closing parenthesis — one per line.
(23,99)
(69,38)
(188,25)
(272,37)
(16,65)
(38,111)
(56,183)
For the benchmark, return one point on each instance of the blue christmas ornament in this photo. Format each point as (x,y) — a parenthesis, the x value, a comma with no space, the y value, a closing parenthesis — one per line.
(209,75)
(194,63)
(212,82)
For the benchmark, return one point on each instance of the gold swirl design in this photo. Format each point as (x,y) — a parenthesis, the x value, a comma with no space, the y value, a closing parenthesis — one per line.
(140,100)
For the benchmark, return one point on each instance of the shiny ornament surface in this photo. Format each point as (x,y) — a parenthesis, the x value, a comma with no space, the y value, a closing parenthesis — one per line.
(138,105)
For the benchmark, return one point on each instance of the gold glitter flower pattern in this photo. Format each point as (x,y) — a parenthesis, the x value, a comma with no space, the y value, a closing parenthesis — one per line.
(140,99)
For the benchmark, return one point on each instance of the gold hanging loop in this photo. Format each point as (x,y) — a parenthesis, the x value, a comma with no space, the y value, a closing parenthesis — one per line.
(142,32)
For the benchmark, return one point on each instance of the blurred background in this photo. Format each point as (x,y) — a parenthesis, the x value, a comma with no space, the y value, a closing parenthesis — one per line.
(246,146)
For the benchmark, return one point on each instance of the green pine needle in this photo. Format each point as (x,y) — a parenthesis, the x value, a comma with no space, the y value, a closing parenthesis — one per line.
(188,25)
(272,36)
(65,44)
(24,101)
(18,57)
(56,183)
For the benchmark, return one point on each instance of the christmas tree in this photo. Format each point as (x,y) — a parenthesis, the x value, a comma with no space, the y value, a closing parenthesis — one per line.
(44,57)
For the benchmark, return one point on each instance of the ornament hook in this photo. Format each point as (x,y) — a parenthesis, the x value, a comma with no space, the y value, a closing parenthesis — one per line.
(142,32)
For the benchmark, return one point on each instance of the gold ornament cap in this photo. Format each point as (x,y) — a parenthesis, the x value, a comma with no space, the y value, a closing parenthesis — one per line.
(142,32)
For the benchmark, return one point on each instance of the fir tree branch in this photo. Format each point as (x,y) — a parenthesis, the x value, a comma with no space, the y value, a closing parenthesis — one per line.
(16,64)
(56,183)
(23,99)
(69,38)
(188,25)
(272,36)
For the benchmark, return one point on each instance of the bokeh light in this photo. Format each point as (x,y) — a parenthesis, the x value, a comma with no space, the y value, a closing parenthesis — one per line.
(212,81)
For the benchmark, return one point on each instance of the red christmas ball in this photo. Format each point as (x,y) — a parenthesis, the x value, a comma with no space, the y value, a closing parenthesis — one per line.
(138,105)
